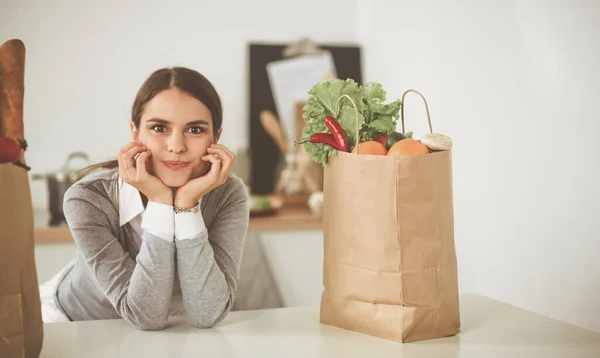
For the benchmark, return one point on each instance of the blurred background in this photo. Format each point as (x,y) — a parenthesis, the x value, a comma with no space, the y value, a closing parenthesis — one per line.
(513,83)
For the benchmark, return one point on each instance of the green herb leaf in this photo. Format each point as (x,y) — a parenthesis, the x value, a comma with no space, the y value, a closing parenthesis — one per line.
(374,116)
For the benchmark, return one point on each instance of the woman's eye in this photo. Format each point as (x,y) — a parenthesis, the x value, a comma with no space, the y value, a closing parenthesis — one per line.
(196,130)
(158,128)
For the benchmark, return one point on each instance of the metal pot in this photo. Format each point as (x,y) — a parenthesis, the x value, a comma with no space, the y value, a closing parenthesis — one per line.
(58,183)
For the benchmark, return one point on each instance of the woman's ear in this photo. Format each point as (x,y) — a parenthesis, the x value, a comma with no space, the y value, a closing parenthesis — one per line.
(218,135)
(134,131)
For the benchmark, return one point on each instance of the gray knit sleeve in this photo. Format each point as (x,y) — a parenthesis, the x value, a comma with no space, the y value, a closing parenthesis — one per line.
(208,264)
(140,292)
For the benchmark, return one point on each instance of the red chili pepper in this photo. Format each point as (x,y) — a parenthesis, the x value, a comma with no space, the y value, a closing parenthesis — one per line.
(323,138)
(338,133)
(10,152)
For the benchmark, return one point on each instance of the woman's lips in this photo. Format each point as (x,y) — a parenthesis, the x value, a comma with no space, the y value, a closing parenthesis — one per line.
(175,165)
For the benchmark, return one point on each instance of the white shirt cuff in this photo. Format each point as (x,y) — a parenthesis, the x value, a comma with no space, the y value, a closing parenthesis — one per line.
(189,225)
(158,220)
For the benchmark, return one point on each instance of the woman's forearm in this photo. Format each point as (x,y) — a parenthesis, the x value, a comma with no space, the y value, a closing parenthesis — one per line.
(208,267)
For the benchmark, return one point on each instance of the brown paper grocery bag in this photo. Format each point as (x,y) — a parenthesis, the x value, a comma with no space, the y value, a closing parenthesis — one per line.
(390,265)
(21,332)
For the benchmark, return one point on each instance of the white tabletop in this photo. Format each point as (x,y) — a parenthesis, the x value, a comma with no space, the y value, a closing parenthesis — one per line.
(489,329)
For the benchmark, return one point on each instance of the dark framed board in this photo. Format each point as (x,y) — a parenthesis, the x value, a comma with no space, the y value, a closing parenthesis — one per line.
(264,154)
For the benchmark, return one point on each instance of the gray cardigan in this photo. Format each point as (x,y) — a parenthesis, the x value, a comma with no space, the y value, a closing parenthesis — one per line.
(112,278)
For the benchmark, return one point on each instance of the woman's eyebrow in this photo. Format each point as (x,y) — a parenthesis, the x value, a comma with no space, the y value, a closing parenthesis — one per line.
(193,123)
(158,120)
(198,122)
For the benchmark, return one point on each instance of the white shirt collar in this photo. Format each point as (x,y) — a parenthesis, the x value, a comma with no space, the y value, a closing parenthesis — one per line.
(130,202)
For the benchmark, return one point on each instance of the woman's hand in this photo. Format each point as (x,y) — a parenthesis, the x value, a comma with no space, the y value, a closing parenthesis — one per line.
(221,160)
(133,171)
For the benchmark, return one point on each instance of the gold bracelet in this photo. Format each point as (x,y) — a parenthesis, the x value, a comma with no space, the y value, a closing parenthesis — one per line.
(193,209)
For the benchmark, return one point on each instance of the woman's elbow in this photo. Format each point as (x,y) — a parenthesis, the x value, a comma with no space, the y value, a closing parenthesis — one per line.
(201,324)
(207,320)
(204,322)
(153,327)
(150,325)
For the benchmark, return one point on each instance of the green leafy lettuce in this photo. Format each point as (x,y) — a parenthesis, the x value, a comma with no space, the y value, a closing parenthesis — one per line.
(327,98)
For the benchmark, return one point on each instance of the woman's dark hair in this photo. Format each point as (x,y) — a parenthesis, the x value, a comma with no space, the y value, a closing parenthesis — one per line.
(185,79)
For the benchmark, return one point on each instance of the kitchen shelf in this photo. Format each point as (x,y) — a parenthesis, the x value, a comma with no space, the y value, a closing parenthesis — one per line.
(287,218)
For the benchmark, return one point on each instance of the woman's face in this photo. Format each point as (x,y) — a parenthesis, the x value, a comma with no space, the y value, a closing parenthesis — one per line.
(177,129)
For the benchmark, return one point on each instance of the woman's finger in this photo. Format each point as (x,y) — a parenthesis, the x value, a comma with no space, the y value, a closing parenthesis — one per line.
(227,157)
(140,162)
(215,167)
(127,158)
(222,150)
(216,145)
(128,146)
(121,159)
(228,160)
(225,170)
(131,153)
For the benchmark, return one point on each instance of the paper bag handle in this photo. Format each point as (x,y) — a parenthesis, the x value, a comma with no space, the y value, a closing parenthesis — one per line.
(426,108)
(355,111)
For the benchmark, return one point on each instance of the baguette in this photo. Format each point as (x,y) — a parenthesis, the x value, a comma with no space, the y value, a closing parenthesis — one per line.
(12,89)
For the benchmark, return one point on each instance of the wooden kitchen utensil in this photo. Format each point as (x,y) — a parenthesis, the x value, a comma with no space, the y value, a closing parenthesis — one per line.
(274,129)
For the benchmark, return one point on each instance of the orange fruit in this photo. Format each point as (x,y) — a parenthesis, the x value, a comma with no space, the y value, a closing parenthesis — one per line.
(371,147)
(408,148)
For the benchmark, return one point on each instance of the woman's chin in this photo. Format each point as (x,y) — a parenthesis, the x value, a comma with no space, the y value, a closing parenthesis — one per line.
(174,180)
(178,178)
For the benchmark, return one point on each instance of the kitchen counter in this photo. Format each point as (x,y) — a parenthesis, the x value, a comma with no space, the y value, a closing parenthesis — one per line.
(489,329)
(287,218)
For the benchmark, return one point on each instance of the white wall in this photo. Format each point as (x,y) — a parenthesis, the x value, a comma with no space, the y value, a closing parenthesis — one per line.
(296,260)
(86,60)
(514,83)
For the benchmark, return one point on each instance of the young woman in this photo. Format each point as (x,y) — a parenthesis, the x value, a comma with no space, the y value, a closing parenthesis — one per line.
(160,231)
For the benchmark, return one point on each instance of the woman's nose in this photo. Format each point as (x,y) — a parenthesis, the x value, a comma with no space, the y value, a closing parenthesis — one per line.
(176,143)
